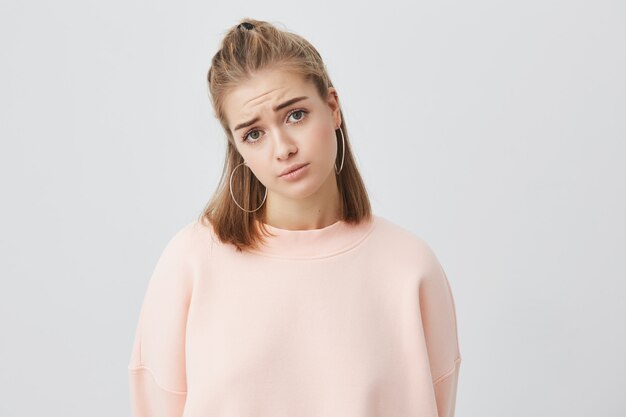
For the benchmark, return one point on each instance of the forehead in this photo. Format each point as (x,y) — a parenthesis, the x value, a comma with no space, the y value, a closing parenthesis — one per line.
(262,91)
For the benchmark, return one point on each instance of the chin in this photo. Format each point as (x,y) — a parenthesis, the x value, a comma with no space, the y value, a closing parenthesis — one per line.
(299,190)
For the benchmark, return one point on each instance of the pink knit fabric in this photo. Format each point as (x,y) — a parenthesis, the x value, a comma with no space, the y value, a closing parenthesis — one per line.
(343,321)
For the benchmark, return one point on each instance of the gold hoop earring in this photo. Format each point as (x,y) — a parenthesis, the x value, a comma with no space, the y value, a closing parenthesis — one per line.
(231,190)
(343,144)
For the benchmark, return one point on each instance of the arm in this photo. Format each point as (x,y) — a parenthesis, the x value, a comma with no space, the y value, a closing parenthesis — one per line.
(445,391)
(438,312)
(157,377)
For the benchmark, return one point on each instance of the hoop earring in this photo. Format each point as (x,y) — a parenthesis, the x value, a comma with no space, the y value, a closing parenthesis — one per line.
(231,190)
(343,144)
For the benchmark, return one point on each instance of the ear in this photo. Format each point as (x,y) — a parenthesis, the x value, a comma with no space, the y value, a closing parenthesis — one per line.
(333,103)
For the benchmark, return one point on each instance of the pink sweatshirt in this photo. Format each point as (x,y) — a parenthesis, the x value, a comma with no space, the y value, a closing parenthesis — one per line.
(343,321)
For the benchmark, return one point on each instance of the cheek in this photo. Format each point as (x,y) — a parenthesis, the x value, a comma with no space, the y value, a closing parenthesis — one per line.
(324,139)
(259,168)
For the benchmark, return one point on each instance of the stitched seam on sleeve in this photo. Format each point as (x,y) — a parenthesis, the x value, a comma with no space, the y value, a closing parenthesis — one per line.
(145,368)
(448,373)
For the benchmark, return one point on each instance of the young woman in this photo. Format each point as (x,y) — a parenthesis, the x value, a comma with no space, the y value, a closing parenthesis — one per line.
(288,297)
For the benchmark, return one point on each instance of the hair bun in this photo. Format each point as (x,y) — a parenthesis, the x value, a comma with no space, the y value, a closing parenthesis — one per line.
(246,25)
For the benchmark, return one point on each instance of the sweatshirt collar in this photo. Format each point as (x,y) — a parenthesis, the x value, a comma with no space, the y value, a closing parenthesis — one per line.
(314,243)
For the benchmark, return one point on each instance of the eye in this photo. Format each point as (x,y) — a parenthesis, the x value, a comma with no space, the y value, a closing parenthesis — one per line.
(252,140)
(297,112)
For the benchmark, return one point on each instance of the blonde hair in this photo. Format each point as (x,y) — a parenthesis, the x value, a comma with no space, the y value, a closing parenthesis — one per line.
(245,50)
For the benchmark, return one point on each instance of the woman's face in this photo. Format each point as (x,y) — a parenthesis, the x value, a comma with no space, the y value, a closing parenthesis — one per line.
(299,132)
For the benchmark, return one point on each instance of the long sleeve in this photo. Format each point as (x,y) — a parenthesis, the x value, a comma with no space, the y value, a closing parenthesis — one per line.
(157,375)
(445,391)
(440,328)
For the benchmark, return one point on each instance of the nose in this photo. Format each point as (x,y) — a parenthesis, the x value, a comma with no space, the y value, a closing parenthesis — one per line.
(284,145)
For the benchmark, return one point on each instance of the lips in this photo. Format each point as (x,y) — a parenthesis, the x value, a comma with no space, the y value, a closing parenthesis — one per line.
(292,168)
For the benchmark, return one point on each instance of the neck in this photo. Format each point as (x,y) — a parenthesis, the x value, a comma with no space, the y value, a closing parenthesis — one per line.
(316,211)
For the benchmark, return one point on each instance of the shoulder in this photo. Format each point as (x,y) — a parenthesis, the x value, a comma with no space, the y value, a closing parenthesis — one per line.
(186,251)
(397,236)
(405,245)
(189,241)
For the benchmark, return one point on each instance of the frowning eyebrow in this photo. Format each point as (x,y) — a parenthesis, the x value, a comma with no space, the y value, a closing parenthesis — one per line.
(277,108)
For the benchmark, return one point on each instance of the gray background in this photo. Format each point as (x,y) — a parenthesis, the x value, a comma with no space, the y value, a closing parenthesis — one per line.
(494,130)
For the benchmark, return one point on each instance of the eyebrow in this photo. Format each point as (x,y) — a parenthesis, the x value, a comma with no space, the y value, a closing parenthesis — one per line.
(277,108)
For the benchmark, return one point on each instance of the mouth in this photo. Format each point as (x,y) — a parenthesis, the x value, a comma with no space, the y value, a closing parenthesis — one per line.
(293,169)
